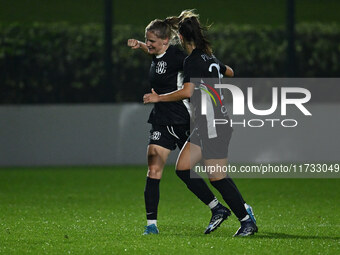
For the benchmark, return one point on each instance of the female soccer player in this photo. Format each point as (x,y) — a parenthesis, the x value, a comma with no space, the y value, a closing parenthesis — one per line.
(171,120)
(207,139)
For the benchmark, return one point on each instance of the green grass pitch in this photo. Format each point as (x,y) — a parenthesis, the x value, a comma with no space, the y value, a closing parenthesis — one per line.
(100,210)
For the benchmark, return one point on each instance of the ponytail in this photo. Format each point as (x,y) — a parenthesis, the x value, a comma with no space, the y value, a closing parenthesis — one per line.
(187,24)
(192,31)
(172,22)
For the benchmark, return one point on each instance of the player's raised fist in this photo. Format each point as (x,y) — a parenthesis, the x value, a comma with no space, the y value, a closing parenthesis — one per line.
(133,43)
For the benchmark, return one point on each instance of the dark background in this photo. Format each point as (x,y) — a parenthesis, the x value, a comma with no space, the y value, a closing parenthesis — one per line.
(53,51)
(260,12)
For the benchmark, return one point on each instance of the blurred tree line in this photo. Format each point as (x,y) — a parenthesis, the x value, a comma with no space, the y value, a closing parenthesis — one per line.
(63,63)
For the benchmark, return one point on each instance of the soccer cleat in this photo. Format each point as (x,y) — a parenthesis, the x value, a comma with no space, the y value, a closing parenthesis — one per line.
(250,212)
(151,229)
(219,214)
(248,227)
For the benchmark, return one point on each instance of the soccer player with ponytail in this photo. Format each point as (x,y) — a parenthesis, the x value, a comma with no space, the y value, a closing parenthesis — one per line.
(206,140)
(170,120)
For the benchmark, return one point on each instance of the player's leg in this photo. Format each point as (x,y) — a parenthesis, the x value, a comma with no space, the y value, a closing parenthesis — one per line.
(248,207)
(189,156)
(232,197)
(160,145)
(228,189)
(157,156)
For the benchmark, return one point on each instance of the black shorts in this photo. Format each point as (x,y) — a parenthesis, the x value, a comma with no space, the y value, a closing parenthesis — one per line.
(169,136)
(212,148)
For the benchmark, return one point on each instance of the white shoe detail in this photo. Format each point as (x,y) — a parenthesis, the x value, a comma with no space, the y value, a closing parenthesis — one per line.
(216,223)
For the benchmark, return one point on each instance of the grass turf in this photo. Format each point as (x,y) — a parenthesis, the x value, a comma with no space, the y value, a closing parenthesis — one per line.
(100,210)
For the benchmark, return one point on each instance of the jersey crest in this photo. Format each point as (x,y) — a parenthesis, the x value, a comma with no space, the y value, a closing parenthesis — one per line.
(161,67)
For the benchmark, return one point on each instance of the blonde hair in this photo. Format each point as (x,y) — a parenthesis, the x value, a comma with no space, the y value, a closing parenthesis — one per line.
(169,27)
(186,14)
(164,29)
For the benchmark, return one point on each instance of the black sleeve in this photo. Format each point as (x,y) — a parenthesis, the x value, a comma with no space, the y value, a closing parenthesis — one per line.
(223,68)
(180,56)
(190,71)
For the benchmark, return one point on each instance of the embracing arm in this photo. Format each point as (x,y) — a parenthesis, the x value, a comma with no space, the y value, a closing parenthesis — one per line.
(135,44)
(184,93)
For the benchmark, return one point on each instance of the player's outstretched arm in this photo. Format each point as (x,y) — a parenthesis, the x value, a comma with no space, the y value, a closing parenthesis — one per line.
(177,95)
(135,44)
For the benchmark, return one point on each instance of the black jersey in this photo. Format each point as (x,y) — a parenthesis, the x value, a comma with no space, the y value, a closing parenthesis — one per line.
(166,75)
(197,65)
(205,71)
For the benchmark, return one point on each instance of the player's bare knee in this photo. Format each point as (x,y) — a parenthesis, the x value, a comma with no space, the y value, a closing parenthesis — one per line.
(155,172)
(216,176)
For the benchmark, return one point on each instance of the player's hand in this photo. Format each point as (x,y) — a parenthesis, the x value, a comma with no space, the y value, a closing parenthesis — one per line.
(133,43)
(152,97)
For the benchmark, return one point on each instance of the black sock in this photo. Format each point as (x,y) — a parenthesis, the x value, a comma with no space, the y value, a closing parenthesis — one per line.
(233,183)
(231,196)
(151,197)
(196,185)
